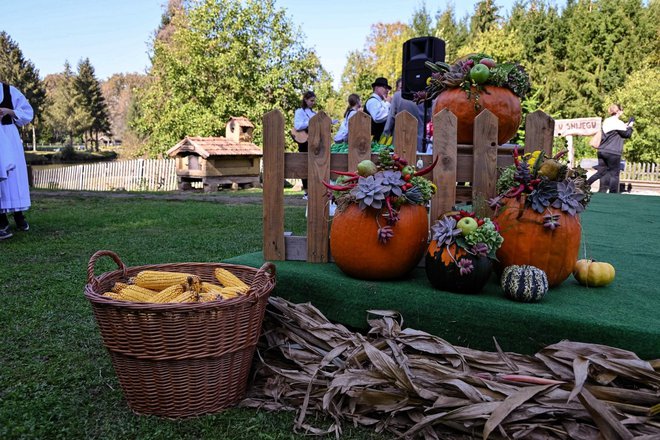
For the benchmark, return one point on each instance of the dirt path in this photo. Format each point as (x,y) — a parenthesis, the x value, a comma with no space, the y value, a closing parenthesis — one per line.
(216,197)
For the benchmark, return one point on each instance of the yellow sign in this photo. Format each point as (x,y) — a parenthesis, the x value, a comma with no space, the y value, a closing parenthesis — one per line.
(577,127)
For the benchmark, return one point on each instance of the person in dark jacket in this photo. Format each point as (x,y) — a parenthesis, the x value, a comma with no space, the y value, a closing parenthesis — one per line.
(611,147)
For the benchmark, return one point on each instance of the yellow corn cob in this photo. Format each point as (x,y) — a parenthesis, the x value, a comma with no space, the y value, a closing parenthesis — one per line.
(185,297)
(137,294)
(167,295)
(112,295)
(227,278)
(118,286)
(210,287)
(159,280)
(209,296)
(233,292)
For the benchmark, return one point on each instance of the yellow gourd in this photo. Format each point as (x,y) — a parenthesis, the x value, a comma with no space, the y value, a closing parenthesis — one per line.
(592,273)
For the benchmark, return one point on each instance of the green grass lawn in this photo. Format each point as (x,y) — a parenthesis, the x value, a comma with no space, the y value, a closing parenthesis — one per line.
(56,379)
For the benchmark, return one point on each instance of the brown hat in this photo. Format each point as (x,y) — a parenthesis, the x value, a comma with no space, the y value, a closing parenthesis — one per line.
(380,81)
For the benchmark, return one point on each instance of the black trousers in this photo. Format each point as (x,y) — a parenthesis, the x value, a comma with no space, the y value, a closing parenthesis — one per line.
(303,148)
(611,170)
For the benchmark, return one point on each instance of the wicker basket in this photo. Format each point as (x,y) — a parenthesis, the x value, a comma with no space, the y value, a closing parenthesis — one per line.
(181,360)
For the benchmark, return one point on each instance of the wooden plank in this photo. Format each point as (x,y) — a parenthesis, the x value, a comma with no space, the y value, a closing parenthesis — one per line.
(359,140)
(405,135)
(317,205)
(484,167)
(273,195)
(539,132)
(444,173)
(296,248)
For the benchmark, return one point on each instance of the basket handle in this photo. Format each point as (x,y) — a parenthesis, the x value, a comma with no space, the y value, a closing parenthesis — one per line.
(92,261)
(266,270)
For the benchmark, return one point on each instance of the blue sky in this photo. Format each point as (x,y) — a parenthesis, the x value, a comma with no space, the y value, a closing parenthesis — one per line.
(114,34)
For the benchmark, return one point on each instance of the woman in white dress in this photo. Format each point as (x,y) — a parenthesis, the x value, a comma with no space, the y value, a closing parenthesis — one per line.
(15,111)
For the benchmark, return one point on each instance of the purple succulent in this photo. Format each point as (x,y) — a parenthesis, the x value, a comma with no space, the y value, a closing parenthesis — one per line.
(465,266)
(444,231)
(384,234)
(551,221)
(480,249)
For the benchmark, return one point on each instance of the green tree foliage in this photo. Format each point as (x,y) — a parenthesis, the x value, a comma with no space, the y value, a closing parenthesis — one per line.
(486,14)
(222,59)
(67,116)
(639,97)
(385,47)
(454,34)
(358,75)
(421,24)
(90,89)
(119,93)
(21,73)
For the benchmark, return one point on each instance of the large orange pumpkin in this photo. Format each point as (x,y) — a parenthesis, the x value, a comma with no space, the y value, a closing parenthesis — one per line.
(501,101)
(527,241)
(358,253)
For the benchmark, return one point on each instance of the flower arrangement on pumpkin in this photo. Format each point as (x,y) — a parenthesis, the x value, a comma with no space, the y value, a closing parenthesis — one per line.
(472,74)
(384,186)
(546,184)
(462,233)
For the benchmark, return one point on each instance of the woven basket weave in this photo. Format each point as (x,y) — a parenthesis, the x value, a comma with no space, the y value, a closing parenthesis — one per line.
(181,360)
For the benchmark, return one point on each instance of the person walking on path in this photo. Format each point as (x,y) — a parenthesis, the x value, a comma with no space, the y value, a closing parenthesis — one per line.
(15,111)
(610,148)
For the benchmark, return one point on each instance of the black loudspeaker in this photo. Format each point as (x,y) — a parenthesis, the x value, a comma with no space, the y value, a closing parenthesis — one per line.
(416,52)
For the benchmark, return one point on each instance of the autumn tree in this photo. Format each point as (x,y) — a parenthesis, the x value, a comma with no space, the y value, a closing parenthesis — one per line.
(119,92)
(223,59)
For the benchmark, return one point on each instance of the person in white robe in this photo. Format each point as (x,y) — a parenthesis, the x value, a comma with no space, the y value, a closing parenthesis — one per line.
(15,111)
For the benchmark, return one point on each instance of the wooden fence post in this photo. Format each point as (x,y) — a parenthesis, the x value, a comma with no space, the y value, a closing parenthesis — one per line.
(318,170)
(359,139)
(445,148)
(539,132)
(484,161)
(273,196)
(405,136)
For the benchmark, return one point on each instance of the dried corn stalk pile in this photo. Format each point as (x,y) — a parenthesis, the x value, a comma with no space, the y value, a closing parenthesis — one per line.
(413,384)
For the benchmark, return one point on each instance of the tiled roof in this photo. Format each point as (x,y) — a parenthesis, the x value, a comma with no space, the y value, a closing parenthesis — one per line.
(215,146)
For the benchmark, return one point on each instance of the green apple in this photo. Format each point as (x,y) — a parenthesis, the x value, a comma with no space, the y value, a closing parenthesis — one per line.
(366,168)
(480,73)
(467,225)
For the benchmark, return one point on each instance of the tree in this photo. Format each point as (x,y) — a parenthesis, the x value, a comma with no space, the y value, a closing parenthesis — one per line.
(485,15)
(21,73)
(223,59)
(453,33)
(119,94)
(639,97)
(421,23)
(90,89)
(385,48)
(67,116)
(358,75)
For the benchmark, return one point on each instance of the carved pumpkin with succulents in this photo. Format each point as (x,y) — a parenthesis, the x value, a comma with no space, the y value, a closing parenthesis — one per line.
(459,257)
(380,227)
(473,84)
(538,209)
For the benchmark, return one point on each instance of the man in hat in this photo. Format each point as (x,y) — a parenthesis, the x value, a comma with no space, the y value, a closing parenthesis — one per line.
(377,107)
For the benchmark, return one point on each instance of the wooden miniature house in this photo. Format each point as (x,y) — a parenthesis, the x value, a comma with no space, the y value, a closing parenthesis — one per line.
(218,161)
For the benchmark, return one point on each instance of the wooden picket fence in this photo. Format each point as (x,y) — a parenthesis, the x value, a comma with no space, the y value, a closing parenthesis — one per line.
(477,164)
(129,175)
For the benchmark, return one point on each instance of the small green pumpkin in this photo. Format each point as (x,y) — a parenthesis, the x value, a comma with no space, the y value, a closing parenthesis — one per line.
(524,283)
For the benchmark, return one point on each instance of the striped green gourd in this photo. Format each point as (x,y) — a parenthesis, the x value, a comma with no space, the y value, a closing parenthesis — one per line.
(524,283)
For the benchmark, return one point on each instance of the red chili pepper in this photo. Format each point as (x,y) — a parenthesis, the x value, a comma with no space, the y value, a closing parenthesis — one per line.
(516,156)
(345,173)
(560,154)
(339,188)
(427,169)
(403,162)
(408,186)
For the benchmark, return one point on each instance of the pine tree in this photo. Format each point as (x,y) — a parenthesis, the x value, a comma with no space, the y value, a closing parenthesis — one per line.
(22,74)
(90,89)
(67,115)
(485,16)
(453,33)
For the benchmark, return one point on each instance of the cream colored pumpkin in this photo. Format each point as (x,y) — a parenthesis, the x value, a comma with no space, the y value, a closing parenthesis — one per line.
(592,273)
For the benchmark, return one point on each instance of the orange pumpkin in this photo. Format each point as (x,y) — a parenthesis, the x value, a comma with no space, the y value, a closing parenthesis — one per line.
(358,253)
(501,101)
(528,242)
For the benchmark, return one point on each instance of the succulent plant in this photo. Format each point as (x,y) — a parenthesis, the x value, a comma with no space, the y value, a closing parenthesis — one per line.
(444,231)
(568,199)
(543,195)
(370,192)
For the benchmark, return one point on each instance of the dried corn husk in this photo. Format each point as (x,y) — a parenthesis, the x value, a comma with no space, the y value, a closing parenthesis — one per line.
(413,384)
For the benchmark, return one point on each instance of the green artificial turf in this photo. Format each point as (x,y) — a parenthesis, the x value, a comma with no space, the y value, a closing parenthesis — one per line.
(621,229)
